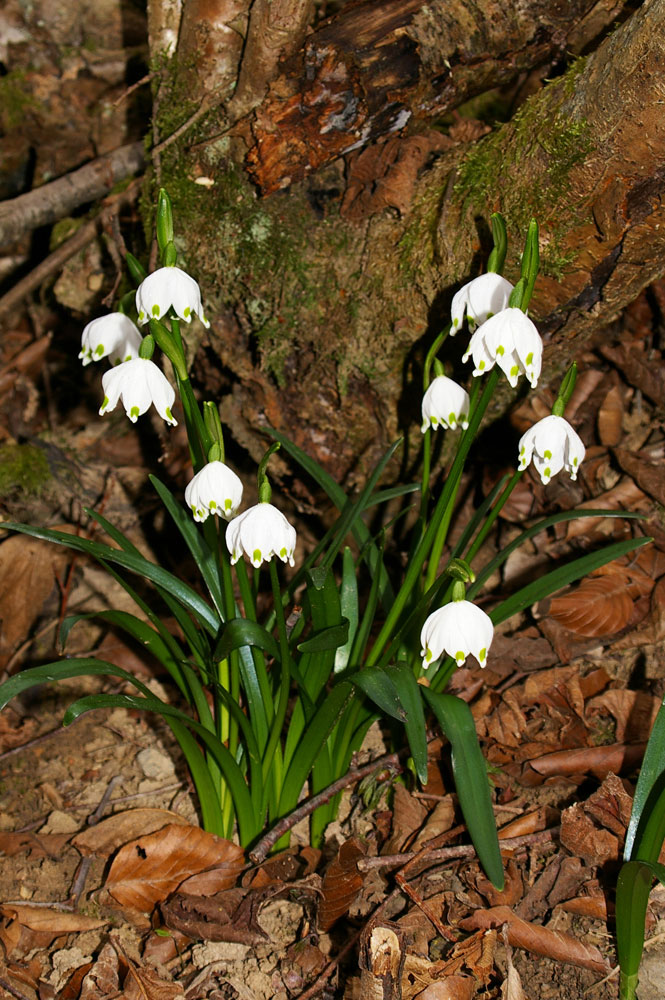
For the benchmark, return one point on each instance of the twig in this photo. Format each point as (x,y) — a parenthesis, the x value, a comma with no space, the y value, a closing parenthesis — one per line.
(206,105)
(59,257)
(10,989)
(36,741)
(130,90)
(452,853)
(264,846)
(57,199)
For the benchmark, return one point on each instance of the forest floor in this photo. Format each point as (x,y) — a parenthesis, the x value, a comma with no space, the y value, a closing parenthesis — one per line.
(108,887)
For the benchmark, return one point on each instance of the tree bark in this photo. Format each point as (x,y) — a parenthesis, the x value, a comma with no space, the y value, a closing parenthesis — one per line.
(320,322)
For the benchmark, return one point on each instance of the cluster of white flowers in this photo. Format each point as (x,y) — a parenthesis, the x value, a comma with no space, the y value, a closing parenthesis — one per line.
(505,336)
(261,531)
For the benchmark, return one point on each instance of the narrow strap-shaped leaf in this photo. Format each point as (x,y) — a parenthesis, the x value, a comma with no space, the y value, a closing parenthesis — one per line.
(558,578)
(651,780)
(329,638)
(632,897)
(340,499)
(535,529)
(248,824)
(471,781)
(410,694)
(380,689)
(318,729)
(188,597)
(49,673)
(145,634)
(211,813)
(244,632)
(203,557)
(348,602)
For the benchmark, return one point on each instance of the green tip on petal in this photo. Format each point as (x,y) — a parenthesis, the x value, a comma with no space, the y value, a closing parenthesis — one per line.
(547,473)
(282,553)
(187,312)
(459,657)
(482,655)
(481,366)
(134,412)
(99,350)
(156,310)
(169,415)
(500,351)
(514,370)
(428,654)
(141,316)
(452,419)
(529,358)
(212,505)
(547,454)
(105,403)
(256,556)
(228,504)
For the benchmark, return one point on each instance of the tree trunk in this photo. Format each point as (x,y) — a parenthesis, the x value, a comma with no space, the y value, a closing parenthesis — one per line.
(320,316)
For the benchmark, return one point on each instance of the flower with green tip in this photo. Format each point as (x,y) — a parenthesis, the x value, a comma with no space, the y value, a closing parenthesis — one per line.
(214,490)
(169,288)
(138,383)
(511,341)
(553,445)
(259,534)
(478,300)
(113,336)
(459,629)
(445,404)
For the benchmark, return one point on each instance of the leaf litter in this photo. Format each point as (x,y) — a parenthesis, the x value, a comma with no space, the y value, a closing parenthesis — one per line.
(563,711)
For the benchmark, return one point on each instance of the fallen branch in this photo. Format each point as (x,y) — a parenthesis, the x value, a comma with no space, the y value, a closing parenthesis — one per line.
(59,257)
(57,199)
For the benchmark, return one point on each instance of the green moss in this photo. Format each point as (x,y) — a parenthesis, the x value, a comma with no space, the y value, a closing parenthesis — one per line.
(540,143)
(23,468)
(15,99)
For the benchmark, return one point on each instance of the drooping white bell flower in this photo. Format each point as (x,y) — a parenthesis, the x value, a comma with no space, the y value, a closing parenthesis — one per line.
(138,383)
(445,404)
(214,490)
(511,341)
(458,629)
(261,533)
(166,288)
(113,336)
(478,300)
(553,445)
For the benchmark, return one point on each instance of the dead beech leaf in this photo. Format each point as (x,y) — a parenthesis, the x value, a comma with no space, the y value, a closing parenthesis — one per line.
(450,988)
(40,845)
(540,940)
(601,605)
(211,881)
(341,883)
(107,836)
(531,822)
(149,869)
(511,987)
(634,712)
(27,566)
(42,918)
(648,475)
(597,760)
(610,416)
(145,984)
(102,979)
(584,838)
(586,906)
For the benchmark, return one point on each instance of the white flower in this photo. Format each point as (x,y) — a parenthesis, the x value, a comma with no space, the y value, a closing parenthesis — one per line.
(261,533)
(445,404)
(138,383)
(113,335)
(459,629)
(510,340)
(553,445)
(165,288)
(214,490)
(479,299)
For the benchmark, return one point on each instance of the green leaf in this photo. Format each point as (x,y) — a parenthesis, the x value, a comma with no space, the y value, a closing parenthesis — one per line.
(559,578)
(49,673)
(328,638)
(241,632)
(632,897)
(348,602)
(470,772)
(203,557)
(648,791)
(187,597)
(410,694)
(379,687)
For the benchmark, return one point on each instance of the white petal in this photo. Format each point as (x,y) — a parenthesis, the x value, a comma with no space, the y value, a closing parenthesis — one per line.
(259,533)
(479,299)
(445,404)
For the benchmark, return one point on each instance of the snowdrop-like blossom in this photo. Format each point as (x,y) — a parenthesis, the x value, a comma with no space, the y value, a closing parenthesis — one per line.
(214,490)
(478,300)
(138,383)
(511,341)
(165,288)
(261,533)
(553,445)
(445,404)
(113,336)
(458,629)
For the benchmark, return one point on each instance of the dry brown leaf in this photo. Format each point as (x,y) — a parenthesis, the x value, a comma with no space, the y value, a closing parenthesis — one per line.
(107,836)
(211,881)
(44,845)
(27,566)
(601,605)
(586,906)
(439,821)
(643,371)
(625,495)
(102,979)
(450,988)
(341,883)
(611,805)
(42,918)
(147,870)
(597,760)
(634,712)
(540,940)
(584,838)
(145,984)
(215,918)
(531,822)
(610,416)
(408,816)
(14,731)
(511,987)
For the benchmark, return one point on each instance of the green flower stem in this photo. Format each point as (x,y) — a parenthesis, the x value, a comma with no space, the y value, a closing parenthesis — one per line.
(477,410)
(249,604)
(492,516)
(427,438)
(197,434)
(272,760)
(420,555)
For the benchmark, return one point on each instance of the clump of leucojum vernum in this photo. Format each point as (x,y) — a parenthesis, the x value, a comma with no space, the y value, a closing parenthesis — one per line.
(275,701)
